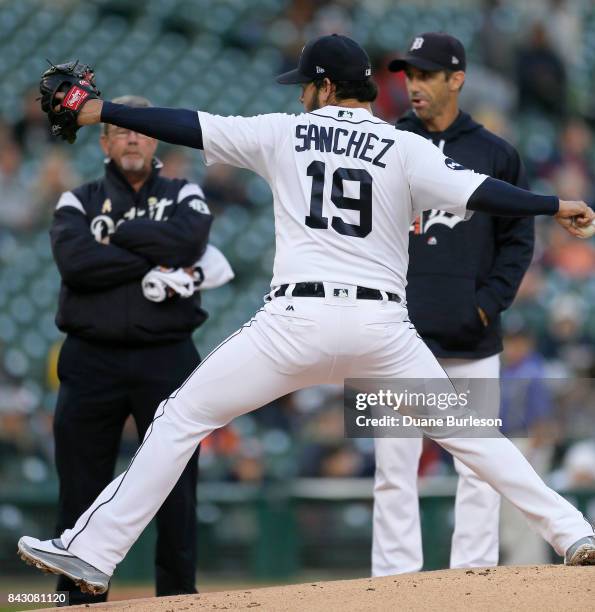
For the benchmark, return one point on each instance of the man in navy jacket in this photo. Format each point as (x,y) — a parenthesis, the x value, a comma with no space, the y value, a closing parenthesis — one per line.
(124,353)
(461,276)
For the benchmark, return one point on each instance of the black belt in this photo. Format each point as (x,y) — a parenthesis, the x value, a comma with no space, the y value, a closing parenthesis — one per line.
(317,290)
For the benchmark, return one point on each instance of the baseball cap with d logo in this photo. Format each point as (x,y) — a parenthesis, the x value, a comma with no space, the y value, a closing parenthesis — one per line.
(433,51)
(335,56)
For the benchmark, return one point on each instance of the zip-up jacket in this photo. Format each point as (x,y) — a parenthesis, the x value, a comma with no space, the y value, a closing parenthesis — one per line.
(455,266)
(165,223)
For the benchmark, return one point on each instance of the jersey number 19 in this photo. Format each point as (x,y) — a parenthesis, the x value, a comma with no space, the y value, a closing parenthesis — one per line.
(363,204)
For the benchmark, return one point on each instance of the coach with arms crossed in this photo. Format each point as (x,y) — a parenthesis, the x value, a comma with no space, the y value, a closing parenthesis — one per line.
(124,353)
(461,277)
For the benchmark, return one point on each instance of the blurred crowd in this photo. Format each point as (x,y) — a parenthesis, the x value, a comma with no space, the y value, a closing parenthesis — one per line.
(525,82)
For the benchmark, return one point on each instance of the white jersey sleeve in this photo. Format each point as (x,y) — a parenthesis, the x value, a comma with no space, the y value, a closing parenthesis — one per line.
(244,142)
(436,181)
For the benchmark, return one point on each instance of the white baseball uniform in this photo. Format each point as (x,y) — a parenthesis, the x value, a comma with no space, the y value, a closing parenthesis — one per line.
(346,187)
(397,541)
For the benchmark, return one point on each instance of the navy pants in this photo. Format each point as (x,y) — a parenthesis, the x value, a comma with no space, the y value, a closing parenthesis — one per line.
(100,386)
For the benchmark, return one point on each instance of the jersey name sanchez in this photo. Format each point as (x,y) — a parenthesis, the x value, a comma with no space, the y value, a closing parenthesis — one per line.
(346,188)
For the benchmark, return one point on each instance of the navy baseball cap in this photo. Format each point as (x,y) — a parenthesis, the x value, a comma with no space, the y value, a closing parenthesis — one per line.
(433,51)
(335,56)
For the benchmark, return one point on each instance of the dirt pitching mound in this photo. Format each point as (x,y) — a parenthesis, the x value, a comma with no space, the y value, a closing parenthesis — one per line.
(543,588)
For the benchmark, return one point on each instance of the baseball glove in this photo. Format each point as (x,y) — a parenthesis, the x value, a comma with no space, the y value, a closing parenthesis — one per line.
(77,82)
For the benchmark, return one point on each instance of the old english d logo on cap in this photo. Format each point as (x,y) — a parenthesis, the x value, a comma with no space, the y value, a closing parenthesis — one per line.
(417,43)
(432,51)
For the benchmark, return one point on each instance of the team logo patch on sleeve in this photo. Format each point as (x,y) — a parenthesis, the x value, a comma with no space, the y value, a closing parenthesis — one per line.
(453,165)
(199,206)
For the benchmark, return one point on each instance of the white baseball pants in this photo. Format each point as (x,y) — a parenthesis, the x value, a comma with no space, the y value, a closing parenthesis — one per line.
(397,541)
(320,340)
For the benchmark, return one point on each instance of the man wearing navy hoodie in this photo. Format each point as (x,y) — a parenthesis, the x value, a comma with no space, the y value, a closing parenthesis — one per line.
(461,277)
